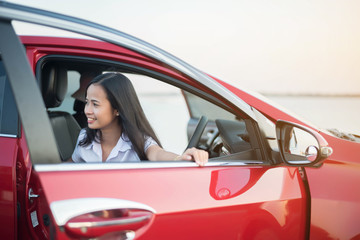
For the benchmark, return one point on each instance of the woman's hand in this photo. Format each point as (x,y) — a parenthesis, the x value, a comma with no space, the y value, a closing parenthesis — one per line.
(193,154)
(156,153)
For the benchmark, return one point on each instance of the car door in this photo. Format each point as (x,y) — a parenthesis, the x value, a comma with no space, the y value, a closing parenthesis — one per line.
(239,199)
(9,133)
(171,200)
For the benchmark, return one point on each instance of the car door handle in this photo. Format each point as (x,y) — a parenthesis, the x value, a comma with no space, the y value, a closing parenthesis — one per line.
(92,226)
(127,222)
(94,217)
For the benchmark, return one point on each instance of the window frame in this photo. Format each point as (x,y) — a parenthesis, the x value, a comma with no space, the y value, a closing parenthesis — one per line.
(136,69)
(35,122)
(252,126)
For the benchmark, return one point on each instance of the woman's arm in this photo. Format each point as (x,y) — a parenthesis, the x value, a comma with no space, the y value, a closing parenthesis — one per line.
(156,153)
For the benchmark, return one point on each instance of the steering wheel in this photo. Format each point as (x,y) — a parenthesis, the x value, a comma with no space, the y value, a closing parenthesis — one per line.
(200,127)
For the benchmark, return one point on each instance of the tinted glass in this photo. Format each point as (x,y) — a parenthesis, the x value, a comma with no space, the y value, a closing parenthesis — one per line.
(8,112)
(200,107)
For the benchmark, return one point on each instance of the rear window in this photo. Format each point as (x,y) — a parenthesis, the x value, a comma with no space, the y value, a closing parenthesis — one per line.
(8,111)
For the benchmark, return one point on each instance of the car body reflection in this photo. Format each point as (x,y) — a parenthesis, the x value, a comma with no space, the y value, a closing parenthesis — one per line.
(229,183)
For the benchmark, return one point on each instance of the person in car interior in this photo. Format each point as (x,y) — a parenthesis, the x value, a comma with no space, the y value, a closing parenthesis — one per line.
(85,78)
(79,96)
(118,130)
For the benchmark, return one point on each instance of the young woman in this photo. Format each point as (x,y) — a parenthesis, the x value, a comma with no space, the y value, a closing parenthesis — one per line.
(118,130)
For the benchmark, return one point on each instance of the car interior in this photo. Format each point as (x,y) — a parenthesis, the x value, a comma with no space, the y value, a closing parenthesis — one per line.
(223,134)
(66,128)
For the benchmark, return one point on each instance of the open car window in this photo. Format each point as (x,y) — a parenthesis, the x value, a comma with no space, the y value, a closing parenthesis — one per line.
(172,111)
(157,99)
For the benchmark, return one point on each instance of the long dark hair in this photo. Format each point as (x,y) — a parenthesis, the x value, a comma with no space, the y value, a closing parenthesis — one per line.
(122,97)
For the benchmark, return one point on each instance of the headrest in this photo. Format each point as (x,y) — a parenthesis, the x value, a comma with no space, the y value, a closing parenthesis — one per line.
(54,85)
(78,106)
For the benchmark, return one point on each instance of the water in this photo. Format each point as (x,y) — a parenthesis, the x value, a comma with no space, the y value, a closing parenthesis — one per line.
(341,113)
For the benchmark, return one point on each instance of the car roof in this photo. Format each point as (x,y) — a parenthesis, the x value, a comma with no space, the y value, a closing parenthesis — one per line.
(10,11)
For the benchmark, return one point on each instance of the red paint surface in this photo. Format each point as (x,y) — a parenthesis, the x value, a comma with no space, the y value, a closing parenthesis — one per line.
(8,198)
(185,199)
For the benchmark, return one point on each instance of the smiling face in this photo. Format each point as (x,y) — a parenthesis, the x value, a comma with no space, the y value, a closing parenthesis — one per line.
(98,110)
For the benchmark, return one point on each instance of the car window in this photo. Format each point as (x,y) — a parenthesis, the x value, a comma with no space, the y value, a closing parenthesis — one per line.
(174,114)
(165,109)
(157,99)
(8,110)
(199,107)
(172,110)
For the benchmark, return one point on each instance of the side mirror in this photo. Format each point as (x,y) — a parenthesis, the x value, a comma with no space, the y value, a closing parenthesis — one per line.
(301,146)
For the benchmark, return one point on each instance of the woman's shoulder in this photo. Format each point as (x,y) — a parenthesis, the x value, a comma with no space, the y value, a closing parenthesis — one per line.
(149,141)
(82,133)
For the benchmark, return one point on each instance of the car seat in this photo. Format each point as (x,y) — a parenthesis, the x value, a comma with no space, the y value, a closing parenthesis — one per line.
(66,129)
(79,114)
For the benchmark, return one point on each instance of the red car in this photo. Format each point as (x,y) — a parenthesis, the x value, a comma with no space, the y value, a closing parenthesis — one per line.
(269,176)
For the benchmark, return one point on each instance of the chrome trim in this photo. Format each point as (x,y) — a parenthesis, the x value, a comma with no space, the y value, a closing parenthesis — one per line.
(142,165)
(64,210)
(32,195)
(8,135)
(326,152)
(11,11)
(108,222)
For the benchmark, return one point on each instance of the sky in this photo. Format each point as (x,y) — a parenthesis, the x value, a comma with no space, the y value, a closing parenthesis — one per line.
(277,46)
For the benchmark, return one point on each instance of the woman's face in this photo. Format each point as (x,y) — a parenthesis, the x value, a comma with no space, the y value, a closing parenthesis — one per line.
(98,110)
